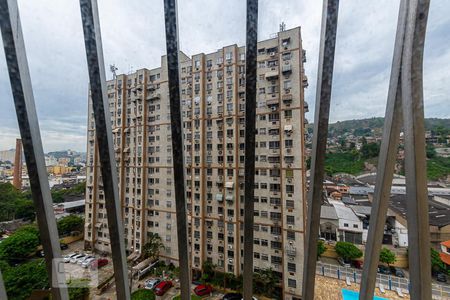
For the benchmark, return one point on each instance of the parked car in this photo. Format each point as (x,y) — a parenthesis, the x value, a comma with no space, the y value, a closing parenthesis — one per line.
(87,262)
(441,277)
(63,246)
(383,270)
(162,287)
(232,296)
(397,272)
(74,259)
(98,263)
(203,290)
(151,283)
(68,257)
(343,263)
(357,264)
(82,259)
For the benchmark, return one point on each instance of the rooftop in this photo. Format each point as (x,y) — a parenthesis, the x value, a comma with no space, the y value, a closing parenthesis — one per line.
(439,214)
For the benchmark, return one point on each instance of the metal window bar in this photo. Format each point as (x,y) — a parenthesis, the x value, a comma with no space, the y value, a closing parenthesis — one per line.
(322,112)
(251,49)
(103,133)
(405,101)
(386,162)
(415,158)
(171,25)
(22,91)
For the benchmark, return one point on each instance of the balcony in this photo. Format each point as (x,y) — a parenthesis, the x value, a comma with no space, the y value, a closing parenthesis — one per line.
(286,69)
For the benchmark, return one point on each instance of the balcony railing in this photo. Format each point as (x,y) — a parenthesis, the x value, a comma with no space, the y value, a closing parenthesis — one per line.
(405,102)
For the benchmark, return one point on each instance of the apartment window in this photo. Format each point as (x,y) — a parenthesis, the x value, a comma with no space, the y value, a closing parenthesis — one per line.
(290,204)
(290,220)
(276,260)
(287,84)
(289,189)
(288,143)
(288,114)
(286,56)
(292,283)
(291,267)
(345,224)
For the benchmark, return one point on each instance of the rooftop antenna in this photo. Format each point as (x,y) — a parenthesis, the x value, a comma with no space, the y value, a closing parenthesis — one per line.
(282,27)
(113,70)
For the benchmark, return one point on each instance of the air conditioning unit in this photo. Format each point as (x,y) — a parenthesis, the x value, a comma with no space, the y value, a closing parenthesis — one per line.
(230,247)
(230,219)
(290,226)
(272,53)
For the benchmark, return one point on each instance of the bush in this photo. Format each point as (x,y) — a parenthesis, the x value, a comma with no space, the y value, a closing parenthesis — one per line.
(22,279)
(347,251)
(19,245)
(387,256)
(320,248)
(143,294)
(78,289)
(70,223)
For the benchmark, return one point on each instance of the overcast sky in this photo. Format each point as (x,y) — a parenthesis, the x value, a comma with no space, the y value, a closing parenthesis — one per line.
(133,38)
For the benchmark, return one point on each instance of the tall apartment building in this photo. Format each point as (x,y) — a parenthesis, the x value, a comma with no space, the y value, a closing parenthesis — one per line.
(213,105)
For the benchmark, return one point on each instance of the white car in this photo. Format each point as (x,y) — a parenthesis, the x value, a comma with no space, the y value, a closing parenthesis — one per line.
(151,283)
(82,259)
(68,257)
(74,259)
(87,262)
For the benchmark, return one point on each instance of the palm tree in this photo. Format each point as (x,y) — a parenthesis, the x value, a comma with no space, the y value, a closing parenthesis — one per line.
(152,246)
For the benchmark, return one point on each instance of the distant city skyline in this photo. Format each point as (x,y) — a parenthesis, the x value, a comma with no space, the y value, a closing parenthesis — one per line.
(363,54)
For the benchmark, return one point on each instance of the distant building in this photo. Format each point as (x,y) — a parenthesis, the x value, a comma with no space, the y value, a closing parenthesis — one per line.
(338,222)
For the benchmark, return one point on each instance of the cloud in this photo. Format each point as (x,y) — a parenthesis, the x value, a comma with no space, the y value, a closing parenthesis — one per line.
(133,38)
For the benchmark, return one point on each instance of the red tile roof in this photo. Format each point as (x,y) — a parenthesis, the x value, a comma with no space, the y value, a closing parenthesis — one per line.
(445,258)
(446,244)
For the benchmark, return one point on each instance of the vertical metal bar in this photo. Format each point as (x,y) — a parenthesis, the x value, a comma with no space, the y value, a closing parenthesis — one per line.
(250,126)
(103,132)
(171,24)
(22,91)
(386,163)
(2,288)
(322,111)
(415,158)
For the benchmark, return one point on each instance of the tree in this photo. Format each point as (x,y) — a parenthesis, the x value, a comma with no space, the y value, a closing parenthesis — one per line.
(143,295)
(436,262)
(70,223)
(430,151)
(14,204)
(22,279)
(265,282)
(78,289)
(18,246)
(320,248)
(387,256)
(152,246)
(347,251)
(207,271)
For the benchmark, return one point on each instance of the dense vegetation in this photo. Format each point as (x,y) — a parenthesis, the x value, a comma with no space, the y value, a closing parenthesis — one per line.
(60,195)
(364,126)
(19,245)
(14,204)
(438,167)
(343,162)
(69,224)
(348,251)
(265,282)
(143,295)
